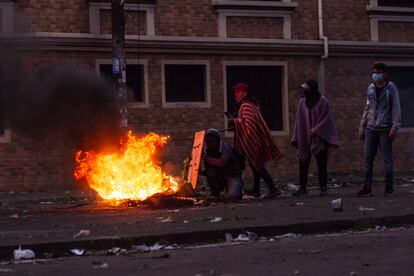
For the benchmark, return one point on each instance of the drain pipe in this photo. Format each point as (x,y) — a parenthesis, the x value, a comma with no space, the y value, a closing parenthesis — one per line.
(321,73)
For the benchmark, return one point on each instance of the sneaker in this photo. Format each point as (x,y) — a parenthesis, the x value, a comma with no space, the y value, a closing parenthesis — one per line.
(323,192)
(300,192)
(273,193)
(364,192)
(254,193)
(389,192)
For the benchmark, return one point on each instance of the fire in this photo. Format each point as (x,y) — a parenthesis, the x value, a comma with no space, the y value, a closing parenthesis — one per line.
(128,174)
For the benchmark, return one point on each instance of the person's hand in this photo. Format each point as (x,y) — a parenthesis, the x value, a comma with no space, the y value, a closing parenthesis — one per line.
(393,134)
(361,133)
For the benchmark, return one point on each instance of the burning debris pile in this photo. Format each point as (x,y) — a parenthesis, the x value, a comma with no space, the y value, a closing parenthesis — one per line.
(69,102)
(130,173)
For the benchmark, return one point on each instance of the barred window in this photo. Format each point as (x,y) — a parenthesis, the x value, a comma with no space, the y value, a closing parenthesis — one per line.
(402,76)
(185,83)
(134,80)
(265,84)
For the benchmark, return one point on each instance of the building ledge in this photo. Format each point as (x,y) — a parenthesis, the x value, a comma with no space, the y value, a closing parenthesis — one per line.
(254,5)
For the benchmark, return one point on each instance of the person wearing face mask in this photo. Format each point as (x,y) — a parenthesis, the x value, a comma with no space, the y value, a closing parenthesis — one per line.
(253,140)
(380,123)
(314,135)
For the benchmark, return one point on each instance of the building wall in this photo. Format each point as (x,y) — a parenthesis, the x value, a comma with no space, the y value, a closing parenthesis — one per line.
(48,163)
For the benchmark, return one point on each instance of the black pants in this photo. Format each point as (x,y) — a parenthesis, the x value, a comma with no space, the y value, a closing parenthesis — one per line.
(322,160)
(267,178)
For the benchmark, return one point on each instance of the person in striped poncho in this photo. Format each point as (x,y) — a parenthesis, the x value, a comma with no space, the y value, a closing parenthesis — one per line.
(254,141)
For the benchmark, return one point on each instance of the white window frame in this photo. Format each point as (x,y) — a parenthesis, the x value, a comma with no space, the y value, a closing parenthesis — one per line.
(144,63)
(285,91)
(400,64)
(205,104)
(403,15)
(7,9)
(95,17)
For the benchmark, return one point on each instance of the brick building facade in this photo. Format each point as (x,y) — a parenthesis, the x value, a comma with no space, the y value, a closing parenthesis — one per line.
(273,45)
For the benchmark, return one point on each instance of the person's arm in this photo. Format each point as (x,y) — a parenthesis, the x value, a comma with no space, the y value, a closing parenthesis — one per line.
(396,113)
(220,162)
(364,121)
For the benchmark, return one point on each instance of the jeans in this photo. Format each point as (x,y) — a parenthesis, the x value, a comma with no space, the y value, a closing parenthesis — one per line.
(322,161)
(267,178)
(373,140)
(218,182)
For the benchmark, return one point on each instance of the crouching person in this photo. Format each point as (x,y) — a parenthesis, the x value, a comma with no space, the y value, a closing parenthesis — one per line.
(223,168)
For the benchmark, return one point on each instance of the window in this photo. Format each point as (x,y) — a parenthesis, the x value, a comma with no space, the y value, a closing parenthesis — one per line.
(266,84)
(402,76)
(186,83)
(134,80)
(396,3)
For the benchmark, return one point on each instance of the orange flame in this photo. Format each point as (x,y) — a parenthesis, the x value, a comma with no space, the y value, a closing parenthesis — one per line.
(128,174)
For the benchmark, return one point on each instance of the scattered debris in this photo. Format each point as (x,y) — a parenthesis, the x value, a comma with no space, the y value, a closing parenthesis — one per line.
(364,209)
(82,233)
(186,221)
(248,236)
(288,235)
(24,254)
(46,202)
(145,248)
(100,265)
(337,205)
(14,216)
(380,228)
(297,204)
(78,252)
(169,219)
(5,270)
(353,273)
(296,272)
(292,187)
(114,250)
(216,219)
(243,237)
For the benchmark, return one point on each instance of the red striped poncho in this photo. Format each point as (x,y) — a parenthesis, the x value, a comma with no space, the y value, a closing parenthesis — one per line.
(253,138)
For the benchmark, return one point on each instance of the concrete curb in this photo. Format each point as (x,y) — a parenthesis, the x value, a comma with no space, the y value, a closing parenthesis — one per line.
(62,248)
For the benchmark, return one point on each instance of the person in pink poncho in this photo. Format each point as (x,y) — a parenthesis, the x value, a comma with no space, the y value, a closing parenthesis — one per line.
(314,135)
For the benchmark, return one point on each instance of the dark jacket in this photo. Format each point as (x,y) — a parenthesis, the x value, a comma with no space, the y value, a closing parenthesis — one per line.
(225,160)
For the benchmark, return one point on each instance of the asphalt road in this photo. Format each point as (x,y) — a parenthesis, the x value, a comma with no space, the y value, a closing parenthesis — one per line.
(388,252)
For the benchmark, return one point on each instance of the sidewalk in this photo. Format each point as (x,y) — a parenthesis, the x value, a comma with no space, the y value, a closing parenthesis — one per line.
(49,222)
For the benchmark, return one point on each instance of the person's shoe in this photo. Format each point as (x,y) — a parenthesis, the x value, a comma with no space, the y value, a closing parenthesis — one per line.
(389,192)
(323,192)
(273,193)
(300,192)
(254,193)
(364,192)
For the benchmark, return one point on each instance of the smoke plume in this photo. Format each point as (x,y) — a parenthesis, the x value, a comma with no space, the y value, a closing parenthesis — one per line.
(61,98)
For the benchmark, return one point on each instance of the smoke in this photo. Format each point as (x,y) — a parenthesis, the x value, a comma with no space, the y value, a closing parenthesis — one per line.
(62,98)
